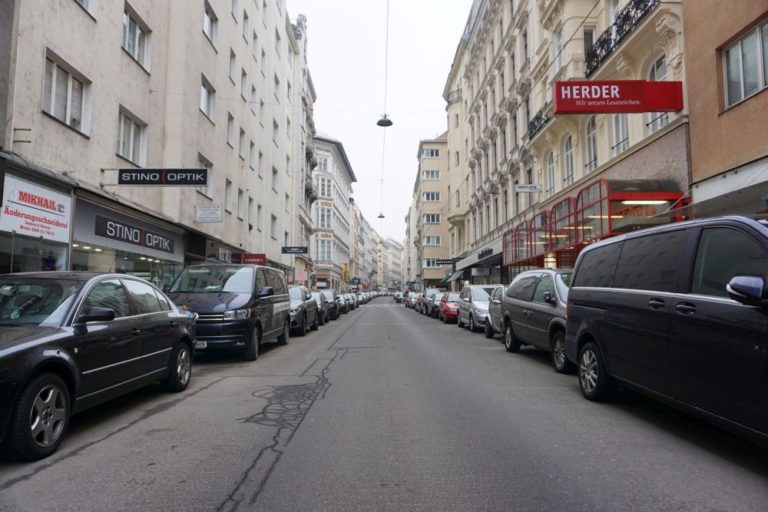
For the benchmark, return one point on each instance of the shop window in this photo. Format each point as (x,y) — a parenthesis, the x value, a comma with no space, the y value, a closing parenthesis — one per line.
(22,254)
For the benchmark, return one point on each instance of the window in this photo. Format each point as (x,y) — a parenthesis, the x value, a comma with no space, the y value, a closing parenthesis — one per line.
(252,101)
(431,175)
(287,202)
(745,72)
(252,156)
(288,90)
(274,179)
(228,196)
(277,88)
(431,218)
(430,153)
(597,266)
(550,174)
(431,196)
(240,204)
(430,263)
(232,65)
(246,26)
(288,127)
(65,95)
(130,138)
(263,61)
(230,130)
(722,254)
(258,217)
(277,43)
(431,240)
(620,134)
(273,227)
(322,164)
(207,98)
(135,38)
(259,163)
(250,214)
(325,187)
(261,112)
(275,131)
(658,73)
(204,163)
(210,22)
(234,8)
(325,250)
(557,48)
(108,294)
(546,284)
(591,164)
(243,83)
(589,39)
(456,159)
(458,198)
(650,262)
(88,5)
(568,161)
(324,218)
(242,143)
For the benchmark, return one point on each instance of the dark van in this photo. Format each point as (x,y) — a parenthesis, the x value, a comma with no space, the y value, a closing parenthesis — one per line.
(239,307)
(680,313)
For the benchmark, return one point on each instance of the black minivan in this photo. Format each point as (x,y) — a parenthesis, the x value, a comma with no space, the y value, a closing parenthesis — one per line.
(678,312)
(239,307)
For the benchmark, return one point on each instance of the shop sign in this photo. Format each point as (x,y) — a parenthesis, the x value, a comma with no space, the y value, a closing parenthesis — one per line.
(445,262)
(480,271)
(528,188)
(163,177)
(250,258)
(35,211)
(123,232)
(617,96)
(295,250)
(488,251)
(209,213)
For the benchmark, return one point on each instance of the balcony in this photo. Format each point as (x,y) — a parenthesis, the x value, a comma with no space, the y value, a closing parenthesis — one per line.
(537,123)
(626,21)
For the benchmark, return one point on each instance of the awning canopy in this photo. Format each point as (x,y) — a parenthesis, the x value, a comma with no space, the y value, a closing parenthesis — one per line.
(455,275)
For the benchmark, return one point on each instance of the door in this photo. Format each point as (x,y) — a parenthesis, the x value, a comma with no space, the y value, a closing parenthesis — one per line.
(517,304)
(635,333)
(718,345)
(158,331)
(541,312)
(494,308)
(108,353)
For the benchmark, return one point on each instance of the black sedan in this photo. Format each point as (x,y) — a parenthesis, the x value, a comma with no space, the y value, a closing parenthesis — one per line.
(71,340)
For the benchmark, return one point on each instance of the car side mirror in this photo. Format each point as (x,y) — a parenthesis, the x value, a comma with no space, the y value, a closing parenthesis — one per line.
(548,298)
(748,290)
(96,314)
(266,292)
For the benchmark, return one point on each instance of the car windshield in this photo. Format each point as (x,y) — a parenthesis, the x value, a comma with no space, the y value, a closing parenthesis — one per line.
(482,293)
(295,293)
(215,279)
(453,297)
(39,301)
(563,283)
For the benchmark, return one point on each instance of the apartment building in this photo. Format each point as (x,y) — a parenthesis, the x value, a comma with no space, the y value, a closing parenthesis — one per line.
(333,241)
(429,230)
(218,84)
(727,69)
(390,264)
(532,176)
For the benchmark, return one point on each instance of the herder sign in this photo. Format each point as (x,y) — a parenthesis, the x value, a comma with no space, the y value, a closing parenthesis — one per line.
(617,96)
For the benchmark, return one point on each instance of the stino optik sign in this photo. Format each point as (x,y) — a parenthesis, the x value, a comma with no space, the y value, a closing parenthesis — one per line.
(35,211)
(617,96)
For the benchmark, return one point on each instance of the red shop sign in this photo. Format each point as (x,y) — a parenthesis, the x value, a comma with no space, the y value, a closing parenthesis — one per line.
(617,96)
(250,258)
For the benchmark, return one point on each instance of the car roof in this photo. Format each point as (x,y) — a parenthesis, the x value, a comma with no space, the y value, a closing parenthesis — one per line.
(68,275)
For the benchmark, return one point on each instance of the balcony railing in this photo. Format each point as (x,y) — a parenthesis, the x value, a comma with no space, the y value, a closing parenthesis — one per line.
(626,21)
(537,123)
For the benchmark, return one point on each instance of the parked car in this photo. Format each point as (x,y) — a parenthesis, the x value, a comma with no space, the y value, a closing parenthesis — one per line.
(71,340)
(239,306)
(473,305)
(410,299)
(678,312)
(431,301)
(448,308)
(323,313)
(398,297)
(494,323)
(533,311)
(303,310)
(334,307)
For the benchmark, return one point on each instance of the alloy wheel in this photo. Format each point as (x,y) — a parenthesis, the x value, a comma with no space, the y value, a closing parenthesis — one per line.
(48,416)
(588,371)
(183,366)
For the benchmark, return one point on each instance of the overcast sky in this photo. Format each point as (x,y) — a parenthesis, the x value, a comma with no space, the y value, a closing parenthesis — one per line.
(346,60)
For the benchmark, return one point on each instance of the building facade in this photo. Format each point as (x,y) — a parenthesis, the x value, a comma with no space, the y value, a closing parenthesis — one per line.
(333,242)
(728,99)
(221,85)
(536,181)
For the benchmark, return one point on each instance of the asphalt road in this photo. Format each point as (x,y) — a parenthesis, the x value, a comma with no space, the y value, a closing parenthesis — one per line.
(385,409)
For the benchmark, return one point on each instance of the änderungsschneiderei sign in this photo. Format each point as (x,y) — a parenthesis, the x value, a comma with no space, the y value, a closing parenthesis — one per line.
(34,210)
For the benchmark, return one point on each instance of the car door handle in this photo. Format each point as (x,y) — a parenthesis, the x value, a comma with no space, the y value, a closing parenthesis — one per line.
(686,308)
(174,323)
(656,304)
(135,331)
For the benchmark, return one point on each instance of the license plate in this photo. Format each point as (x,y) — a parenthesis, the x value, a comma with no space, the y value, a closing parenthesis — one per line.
(201,344)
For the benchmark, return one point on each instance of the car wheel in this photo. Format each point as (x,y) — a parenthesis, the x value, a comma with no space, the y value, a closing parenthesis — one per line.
(303,325)
(321,318)
(252,348)
(283,338)
(559,361)
(471,323)
(511,343)
(316,325)
(458,320)
(595,383)
(179,368)
(39,420)
(488,328)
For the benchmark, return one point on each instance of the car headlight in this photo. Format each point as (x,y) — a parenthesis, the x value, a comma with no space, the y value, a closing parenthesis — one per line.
(237,314)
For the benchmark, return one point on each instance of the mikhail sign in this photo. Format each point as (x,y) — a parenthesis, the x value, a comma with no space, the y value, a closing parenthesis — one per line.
(163,177)
(115,230)
(617,96)
(35,211)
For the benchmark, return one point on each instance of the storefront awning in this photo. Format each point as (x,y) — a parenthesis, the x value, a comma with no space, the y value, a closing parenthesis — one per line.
(456,275)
